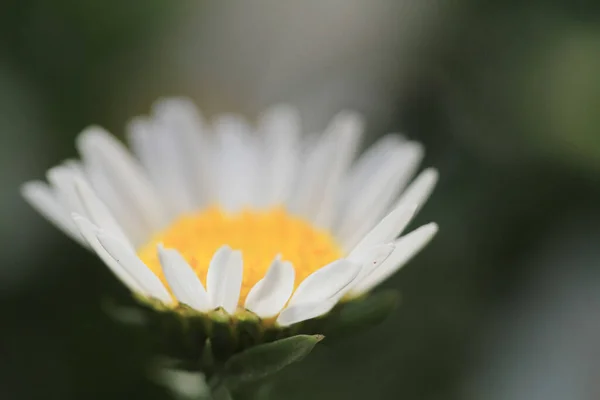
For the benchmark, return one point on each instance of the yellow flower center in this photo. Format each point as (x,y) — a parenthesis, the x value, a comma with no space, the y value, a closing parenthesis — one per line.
(260,235)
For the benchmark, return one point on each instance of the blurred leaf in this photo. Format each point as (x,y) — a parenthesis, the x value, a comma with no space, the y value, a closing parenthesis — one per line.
(267,359)
(362,314)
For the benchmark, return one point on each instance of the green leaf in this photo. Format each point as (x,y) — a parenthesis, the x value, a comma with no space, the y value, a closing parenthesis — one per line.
(261,361)
(361,314)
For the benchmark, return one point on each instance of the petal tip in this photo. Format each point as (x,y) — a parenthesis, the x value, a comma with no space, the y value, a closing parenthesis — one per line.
(432,173)
(27,189)
(432,227)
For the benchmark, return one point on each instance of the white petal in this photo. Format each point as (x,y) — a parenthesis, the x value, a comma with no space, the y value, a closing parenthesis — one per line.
(158,151)
(406,247)
(140,139)
(76,196)
(224,279)
(388,229)
(135,229)
(172,149)
(367,198)
(237,159)
(62,178)
(280,127)
(123,254)
(43,199)
(371,259)
(325,283)
(183,280)
(88,231)
(324,168)
(348,127)
(97,212)
(100,150)
(370,160)
(181,117)
(419,190)
(177,184)
(268,296)
(180,112)
(302,312)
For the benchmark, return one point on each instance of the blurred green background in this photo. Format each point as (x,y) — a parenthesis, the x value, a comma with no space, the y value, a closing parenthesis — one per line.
(505,95)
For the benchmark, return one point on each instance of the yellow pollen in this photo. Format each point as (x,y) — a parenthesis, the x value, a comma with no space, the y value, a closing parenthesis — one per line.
(260,235)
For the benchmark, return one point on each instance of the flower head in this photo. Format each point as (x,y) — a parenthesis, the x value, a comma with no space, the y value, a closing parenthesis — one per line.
(263,221)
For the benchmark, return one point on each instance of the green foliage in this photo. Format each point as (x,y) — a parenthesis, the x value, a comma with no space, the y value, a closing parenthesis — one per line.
(262,361)
(361,314)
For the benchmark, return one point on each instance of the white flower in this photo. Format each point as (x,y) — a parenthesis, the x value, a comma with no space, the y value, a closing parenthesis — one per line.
(231,216)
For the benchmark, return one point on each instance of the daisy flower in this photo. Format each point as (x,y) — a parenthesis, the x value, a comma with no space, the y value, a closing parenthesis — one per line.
(244,219)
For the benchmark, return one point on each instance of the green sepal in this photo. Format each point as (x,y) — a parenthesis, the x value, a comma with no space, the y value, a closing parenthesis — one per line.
(194,329)
(359,314)
(264,360)
(207,361)
(250,329)
(223,335)
(206,341)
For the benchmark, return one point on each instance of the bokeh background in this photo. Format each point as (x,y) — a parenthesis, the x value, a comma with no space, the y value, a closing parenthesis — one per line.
(505,95)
